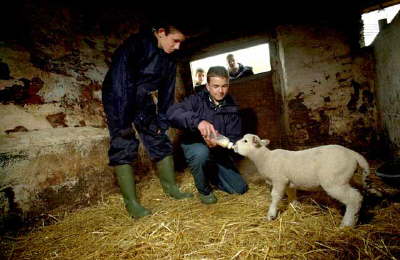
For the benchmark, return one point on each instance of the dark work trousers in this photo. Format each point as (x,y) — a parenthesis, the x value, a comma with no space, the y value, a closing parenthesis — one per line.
(124,144)
(213,167)
(124,148)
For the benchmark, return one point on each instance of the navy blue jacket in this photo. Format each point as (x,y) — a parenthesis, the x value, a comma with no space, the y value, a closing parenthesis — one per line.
(197,107)
(243,71)
(138,68)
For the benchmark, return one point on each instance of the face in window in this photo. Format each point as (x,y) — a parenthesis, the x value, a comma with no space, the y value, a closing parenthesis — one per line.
(199,78)
(231,62)
(169,42)
(218,88)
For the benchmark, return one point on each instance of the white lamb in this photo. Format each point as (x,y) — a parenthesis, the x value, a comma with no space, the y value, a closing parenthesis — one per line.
(330,167)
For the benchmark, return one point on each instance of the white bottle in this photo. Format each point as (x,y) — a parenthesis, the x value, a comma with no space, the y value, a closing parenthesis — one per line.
(223,141)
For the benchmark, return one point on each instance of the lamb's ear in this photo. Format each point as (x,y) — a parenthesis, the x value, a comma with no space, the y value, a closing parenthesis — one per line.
(257,141)
(265,142)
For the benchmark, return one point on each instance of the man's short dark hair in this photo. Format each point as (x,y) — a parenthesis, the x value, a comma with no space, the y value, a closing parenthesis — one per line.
(199,70)
(217,71)
(171,24)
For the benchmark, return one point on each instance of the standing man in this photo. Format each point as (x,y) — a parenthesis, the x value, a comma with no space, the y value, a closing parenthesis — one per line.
(201,116)
(237,70)
(140,67)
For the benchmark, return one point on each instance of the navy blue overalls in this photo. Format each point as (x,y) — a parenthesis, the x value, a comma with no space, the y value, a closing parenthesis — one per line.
(138,68)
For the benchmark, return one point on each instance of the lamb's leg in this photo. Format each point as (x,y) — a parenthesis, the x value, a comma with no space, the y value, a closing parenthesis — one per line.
(351,198)
(292,195)
(278,190)
(269,185)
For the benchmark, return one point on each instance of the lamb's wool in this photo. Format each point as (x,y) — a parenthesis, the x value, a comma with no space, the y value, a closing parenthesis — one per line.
(330,167)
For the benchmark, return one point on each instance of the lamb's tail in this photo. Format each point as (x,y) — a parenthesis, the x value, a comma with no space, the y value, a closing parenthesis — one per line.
(363,163)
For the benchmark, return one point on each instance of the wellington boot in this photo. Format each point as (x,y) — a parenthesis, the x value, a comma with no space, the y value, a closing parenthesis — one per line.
(126,183)
(166,173)
(208,199)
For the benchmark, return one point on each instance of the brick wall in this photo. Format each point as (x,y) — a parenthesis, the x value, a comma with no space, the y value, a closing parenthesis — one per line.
(256,98)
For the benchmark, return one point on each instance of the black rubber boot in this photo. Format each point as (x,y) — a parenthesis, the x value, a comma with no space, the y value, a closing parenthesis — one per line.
(166,173)
(126,183)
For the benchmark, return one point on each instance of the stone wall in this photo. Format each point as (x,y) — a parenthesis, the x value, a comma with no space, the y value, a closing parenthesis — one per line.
(387,54)
(53,76)
(44,169)
(328,87)
(53,136)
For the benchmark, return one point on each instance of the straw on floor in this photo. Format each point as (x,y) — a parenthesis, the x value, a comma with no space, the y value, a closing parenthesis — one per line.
(234,228)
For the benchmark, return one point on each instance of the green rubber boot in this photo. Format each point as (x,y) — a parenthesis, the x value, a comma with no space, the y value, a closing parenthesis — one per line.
(126,183)
(166,173)
(208,199)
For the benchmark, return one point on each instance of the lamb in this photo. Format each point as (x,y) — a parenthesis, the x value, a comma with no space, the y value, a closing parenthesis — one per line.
(329,166)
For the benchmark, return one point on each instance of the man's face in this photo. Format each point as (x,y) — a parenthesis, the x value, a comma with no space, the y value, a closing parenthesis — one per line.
(218,88)
(200,77)
(169,42)
(231,62)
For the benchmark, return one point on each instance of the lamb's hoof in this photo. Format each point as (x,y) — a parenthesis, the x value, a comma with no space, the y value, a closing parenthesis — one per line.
(375,192)
(346,224)
(269,218)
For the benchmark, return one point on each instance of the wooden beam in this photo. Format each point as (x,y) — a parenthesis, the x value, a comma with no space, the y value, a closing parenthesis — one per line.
(380,6)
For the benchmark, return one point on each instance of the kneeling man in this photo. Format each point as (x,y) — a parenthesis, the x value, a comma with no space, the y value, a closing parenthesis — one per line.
(204,115)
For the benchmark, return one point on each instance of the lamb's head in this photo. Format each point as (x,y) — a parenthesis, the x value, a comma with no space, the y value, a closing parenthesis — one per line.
(248,144)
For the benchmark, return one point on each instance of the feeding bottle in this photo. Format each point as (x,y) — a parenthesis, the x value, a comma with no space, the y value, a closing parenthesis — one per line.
(223,141)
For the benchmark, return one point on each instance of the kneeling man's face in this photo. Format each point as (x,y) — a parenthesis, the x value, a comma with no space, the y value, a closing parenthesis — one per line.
(218,88)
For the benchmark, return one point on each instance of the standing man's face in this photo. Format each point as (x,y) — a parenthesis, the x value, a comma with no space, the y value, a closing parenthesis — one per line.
(169,42)
(232,63)
(218,88)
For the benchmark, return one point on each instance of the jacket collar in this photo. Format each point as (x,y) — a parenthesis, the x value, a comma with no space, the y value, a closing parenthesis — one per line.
(222,103)
(226,103)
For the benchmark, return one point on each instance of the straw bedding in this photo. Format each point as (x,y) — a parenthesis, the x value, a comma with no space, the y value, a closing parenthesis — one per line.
(234,228)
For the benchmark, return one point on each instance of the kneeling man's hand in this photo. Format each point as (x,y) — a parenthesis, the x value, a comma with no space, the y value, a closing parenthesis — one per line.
(208,131)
